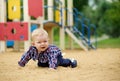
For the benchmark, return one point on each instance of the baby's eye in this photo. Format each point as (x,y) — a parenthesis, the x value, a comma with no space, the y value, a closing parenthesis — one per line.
(38,42)
(45,41)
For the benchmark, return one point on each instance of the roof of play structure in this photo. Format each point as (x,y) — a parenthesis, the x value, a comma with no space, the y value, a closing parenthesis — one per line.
(51,24)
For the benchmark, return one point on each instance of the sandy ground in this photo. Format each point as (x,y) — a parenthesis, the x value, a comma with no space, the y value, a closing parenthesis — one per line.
(99,65)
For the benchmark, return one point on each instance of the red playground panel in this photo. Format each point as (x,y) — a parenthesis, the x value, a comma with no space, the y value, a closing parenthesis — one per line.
(13,31)
(35,8)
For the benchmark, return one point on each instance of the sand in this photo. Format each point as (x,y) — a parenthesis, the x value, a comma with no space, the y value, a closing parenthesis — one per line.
(99,65)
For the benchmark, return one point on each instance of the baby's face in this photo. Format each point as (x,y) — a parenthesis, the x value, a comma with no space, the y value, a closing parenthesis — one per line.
(41,43)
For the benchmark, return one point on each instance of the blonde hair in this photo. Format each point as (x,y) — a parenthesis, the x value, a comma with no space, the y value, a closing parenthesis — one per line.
(39,32)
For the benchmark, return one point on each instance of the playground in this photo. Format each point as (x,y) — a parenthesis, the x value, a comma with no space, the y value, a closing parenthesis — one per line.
(29,15)
(99,65)
(94,64)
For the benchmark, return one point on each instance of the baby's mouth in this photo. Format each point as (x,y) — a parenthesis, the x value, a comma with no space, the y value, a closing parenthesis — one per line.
(43,47)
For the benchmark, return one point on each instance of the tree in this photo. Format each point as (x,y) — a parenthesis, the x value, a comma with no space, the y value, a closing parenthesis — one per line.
(105,16)
(110,20)
(79,4)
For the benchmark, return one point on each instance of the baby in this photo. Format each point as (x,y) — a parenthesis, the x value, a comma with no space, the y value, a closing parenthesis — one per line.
(47,55)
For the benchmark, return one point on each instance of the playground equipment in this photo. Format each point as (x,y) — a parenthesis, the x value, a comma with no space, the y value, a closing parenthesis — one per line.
(73,29)
(68,19)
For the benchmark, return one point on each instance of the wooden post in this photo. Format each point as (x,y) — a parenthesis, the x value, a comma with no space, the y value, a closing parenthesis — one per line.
(26,19)
(50,10)
(70,19)
(62,31)
(2,19)
(50,18)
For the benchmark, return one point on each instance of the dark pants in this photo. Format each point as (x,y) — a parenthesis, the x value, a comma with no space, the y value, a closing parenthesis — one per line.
(61,62)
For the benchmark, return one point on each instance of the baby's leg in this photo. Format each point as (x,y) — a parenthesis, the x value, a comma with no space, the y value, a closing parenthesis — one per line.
(67,62)
(64,62)
(43,64)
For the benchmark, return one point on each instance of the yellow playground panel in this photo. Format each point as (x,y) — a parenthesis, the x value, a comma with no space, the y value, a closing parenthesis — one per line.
(14,8)
(57,16)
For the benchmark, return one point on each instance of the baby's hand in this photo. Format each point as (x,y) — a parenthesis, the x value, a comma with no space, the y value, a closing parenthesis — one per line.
(52,69)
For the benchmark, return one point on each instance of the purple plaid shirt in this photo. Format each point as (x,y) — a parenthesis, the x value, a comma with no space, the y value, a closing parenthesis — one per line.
(50,56)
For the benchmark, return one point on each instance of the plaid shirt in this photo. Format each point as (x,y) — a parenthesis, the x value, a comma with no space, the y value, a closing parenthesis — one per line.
(50,55)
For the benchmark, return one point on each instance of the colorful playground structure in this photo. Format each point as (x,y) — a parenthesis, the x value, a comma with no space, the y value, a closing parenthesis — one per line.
(18,18)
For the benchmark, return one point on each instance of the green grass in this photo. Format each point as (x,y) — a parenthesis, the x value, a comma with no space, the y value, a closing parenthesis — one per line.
(109,43)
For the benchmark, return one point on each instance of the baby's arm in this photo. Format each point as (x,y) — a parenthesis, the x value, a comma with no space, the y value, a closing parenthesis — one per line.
(24,59)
